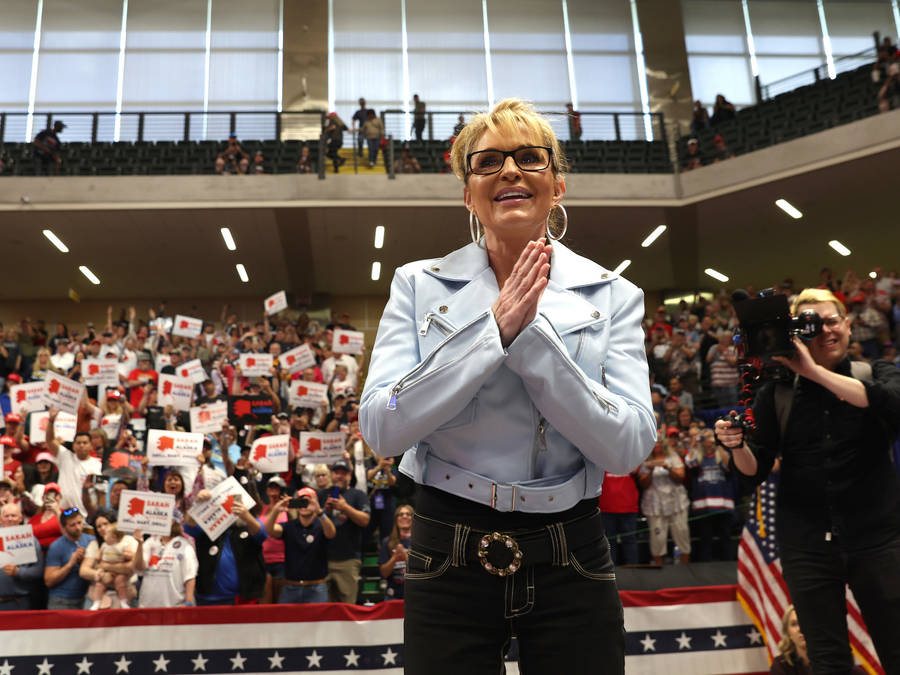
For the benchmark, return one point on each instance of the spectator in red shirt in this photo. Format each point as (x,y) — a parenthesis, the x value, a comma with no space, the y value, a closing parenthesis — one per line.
(619,506)
(9,464)
(138,377)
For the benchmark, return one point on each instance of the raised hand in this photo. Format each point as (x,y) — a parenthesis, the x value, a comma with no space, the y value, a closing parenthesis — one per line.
(517,303)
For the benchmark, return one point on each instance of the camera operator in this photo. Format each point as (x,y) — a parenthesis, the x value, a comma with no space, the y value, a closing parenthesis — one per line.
(305,551)
(838,501)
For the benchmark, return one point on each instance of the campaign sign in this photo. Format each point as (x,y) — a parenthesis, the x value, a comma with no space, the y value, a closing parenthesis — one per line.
(121,463)
(215,515)
(62,393)
(297,358)
(321,448)
(63,427)
(187,326)
(161,361)
(173,448)
(347,341)
(192,370)
(24,398)
(149,511)
(162,324)
(209,417)
(270,453)
(275,303)
(16,545)
(250,409)
(255,365)
(175,391)
(103,372)
(307,394)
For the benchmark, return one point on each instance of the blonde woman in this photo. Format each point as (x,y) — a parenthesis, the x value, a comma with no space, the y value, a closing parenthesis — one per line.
(794,659)
(665,501)
(512,374)
(43,365)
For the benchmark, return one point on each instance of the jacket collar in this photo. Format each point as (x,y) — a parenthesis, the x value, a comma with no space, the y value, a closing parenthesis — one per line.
(567,269)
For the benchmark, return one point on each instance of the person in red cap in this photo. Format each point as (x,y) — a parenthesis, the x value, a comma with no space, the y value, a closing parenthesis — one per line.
(9,464)
(42,471)
(5,402)
(305,550)
(45,523)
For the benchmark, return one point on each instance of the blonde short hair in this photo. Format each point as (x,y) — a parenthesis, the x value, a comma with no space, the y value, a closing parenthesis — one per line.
(509,116)
(813,296)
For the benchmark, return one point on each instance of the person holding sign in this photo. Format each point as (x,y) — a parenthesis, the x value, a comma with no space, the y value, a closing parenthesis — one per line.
(512,373)
(18,579)
(305,549)
(74,465)
(169,569)
(231,568)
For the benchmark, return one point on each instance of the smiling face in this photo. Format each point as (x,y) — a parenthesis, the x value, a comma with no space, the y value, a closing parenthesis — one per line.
(829,347)
(512,203)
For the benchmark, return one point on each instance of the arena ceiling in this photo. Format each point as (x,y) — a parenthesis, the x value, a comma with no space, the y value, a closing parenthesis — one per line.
(152,254)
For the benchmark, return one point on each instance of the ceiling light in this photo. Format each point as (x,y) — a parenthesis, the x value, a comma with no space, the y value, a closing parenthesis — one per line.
(788,208)
(873,275)
(56,241)
(379,236)
(90,275)
(839,247)
(242,272)
(229,240)
(653,236)
(622,266)
(376,271)
(718,276)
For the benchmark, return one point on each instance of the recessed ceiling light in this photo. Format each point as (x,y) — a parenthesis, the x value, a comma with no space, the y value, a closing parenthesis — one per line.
(839,247)
(788,208)
(242,272)
(56,241)
(229,240)
(379,236)
(653,236)
(622,266)
(376,271)
(873,275)
(90,275)
(718,276)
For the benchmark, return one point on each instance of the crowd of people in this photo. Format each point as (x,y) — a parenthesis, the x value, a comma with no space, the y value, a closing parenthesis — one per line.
(301,539)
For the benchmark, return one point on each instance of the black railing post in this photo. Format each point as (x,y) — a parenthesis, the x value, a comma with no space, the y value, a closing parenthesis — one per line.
(430,126)
(95,121)
(2,125)
(49,121)
(759,89)
(140,133)
(323,160)
(187,126)
(616,125)
(389,157)
(816,74)
(232,123)
(278,126)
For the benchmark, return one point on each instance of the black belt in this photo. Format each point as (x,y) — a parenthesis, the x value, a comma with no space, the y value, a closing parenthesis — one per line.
(503,553)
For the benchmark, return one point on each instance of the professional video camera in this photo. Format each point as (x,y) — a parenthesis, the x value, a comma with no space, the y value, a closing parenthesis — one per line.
(766,329)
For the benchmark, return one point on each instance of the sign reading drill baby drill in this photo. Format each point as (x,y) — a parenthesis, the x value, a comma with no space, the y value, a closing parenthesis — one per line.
(62,393)
(149,511)
(216,514)
(173,448)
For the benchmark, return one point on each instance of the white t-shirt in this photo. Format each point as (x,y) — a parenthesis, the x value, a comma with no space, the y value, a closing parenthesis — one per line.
(128,543)
(169,567)
(72,472)
(343,359)
(63,362)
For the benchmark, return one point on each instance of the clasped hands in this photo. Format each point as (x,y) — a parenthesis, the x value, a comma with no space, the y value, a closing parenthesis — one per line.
(516,306)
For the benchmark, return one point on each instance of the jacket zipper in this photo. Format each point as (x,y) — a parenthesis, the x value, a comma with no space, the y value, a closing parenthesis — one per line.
(606,405)
(540,442)
(408,380)
(442,325)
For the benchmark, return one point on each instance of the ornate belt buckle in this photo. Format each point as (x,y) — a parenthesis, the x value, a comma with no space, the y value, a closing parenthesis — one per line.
(499,554)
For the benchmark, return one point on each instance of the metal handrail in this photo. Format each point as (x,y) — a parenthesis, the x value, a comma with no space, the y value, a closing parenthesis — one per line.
(817,74)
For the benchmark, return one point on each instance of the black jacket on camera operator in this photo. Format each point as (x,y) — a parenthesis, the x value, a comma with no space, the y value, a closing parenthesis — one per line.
(838,500)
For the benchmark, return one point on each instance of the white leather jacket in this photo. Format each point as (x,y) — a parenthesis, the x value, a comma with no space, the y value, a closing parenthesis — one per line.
(528,428)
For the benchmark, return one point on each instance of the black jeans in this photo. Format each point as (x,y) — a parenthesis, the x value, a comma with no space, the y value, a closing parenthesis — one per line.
(621,531)
(817,585)
(567,618)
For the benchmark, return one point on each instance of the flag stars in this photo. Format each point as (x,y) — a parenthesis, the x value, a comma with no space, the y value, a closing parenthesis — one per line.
(6,668)
(122,665)
(684,642)
(275,661)
(352,658)
(161,664)
(648,643)
(755,637)
(314,659)
(718,638)
(45,667)
(84,666)
(390,656)
(199,662)
(237,661)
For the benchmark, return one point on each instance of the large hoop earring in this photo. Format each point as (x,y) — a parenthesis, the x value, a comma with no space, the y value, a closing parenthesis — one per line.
(475,228)
(564,227)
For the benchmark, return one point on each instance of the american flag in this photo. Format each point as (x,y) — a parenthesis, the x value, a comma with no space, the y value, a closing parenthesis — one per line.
(762,590)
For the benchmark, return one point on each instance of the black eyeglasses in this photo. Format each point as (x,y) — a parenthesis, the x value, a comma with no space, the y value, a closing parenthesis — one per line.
(69,512)
(527,158)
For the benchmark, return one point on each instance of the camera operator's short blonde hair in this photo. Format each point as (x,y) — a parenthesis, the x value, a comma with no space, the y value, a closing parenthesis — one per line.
(813,296)
(510,116)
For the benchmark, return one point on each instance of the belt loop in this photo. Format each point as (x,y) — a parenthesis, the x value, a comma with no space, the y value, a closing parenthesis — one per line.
(458,547)
(563,545)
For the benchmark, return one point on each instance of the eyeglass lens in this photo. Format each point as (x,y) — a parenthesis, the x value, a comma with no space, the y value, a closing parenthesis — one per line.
(491,161)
